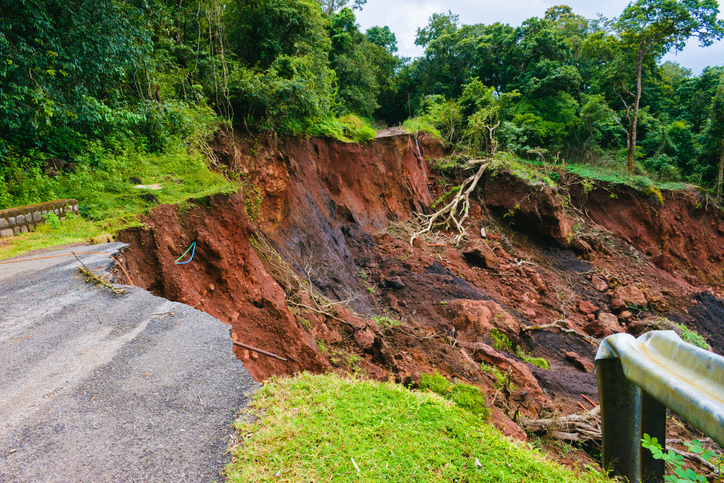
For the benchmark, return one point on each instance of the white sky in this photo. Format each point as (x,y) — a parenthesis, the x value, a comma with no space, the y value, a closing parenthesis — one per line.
(405,16)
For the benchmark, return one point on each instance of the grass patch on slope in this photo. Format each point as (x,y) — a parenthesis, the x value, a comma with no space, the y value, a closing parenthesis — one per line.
(107,199)
(308,428)
(618,175)
(609,171)
(416,125)
(348,129)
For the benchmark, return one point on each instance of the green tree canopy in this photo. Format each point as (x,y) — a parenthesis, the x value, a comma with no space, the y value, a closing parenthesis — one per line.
(654,27)
(282,78)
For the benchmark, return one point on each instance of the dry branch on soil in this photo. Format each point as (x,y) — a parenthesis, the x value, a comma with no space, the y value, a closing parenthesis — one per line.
(559,324)
(285,273)
(448,215)
(574,427)
(96,279)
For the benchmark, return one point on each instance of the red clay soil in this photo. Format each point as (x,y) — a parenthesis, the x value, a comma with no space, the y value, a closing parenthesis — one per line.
(313,188)
(340,218)
(225,279)
(682,235)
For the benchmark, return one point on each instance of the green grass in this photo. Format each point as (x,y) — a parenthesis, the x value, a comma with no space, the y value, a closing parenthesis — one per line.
(416,125)
(526,170)
(385,321)
(108,202)
(74,229)
(500,341)
(536,361)
(610,171)
(321,346)
(349,129)
(310,427)
(615,173)
(467,397)
(686,334)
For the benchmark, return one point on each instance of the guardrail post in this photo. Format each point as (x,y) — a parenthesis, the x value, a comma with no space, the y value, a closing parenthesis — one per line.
(653,423)
(620,401)
(662,371)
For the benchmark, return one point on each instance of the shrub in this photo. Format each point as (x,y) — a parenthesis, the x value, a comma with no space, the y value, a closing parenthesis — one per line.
(686,334)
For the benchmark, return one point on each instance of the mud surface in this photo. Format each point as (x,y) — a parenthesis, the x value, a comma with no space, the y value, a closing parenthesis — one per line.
(98,387)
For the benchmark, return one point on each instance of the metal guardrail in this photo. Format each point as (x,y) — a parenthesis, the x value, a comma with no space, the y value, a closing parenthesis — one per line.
(637,380)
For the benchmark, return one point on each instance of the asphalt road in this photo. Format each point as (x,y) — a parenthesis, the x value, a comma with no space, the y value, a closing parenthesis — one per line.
(96,387)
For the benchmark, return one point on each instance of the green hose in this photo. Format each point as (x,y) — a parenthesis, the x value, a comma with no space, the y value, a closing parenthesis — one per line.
(193,245)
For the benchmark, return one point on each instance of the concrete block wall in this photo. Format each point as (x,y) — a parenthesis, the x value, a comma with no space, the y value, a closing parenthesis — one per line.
(25,218)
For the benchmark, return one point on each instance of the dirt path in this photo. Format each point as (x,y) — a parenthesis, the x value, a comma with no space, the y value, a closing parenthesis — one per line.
(98,387)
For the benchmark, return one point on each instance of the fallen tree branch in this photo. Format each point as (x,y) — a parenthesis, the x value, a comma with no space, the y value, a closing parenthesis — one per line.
(260,351)
(450,212)
(558,324)
(693,457)
(574,427)
(92,277)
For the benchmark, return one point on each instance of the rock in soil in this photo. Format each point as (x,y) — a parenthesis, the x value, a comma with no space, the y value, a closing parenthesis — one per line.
(479,253)
(581,363)
(630,294)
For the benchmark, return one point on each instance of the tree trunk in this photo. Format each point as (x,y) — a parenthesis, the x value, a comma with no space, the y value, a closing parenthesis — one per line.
(721,173)
(634,122)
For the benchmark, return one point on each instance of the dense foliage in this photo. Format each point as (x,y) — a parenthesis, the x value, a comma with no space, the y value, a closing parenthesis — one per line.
(580,88)
(83,81)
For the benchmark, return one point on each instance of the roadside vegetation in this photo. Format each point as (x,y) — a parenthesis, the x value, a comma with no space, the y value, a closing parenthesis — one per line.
(109,202)
(328,428)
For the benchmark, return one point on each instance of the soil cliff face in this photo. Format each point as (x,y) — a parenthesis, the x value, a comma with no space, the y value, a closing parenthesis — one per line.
(313,189)
(682,235)
(326,276)
(225,279)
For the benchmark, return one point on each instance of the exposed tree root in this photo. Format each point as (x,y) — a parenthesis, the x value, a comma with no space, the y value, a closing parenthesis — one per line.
(449,214)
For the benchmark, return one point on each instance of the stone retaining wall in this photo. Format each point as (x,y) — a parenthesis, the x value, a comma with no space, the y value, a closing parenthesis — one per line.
(25,218)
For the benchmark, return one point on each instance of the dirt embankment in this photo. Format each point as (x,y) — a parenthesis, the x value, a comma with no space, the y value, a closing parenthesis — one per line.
(682,235)
(225,279)
(314,190)
(347,292)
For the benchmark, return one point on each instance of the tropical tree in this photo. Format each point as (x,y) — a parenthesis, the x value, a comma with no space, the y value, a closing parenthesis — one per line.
(282,78)
(56,57)
(364,63)
(330,7)
(718,109)
(651,28)
(382,37)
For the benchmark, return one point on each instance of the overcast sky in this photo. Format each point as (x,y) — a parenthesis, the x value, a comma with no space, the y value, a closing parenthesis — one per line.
(405,16)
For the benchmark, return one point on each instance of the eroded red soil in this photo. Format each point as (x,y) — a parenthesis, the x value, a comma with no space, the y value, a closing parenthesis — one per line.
(329,279)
